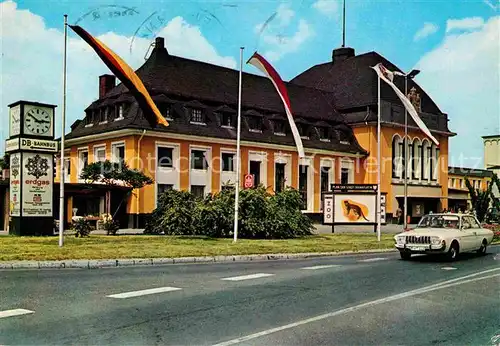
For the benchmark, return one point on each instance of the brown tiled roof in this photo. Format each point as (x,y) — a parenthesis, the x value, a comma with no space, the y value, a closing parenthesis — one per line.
(213,88)
(352,84)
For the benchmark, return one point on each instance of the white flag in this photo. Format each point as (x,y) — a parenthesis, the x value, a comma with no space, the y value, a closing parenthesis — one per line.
(388,76)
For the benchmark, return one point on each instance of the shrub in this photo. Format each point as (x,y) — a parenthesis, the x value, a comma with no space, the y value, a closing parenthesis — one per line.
(214,216)
(82,227)
(253,214)
(173,215)
(110,226)
(285,217)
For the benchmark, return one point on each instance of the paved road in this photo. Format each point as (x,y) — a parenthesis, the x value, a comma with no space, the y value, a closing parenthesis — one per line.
(351,300)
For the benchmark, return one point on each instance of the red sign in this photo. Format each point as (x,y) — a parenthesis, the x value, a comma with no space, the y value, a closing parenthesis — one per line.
(248,181)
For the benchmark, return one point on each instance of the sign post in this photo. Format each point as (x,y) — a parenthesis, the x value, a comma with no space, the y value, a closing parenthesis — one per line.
(31,146)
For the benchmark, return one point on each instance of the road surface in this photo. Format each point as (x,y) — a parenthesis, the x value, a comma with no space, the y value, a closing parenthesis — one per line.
(351,300)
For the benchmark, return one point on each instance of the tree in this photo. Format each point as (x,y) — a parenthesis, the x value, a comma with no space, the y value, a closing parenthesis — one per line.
(111,173)
(5,162)
(480,199)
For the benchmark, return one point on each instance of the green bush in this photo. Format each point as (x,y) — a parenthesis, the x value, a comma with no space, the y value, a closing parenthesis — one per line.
(173,215)
(82,227)
(261,215)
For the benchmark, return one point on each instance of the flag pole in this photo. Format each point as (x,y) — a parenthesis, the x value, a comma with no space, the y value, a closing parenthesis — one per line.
(379,139)
(63,125)
(405,143)
(238,164)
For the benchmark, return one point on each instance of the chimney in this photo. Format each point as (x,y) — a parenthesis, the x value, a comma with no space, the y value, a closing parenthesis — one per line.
(159,42)
(341,54)
(106,83)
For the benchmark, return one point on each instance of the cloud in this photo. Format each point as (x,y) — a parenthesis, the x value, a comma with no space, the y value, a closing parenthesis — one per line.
(31,67)
(427,30)
(327,7)
(285,45)
(462,76)
(275,33)
(465,24)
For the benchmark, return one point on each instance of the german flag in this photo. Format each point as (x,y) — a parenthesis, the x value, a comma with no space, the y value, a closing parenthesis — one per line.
(126,75)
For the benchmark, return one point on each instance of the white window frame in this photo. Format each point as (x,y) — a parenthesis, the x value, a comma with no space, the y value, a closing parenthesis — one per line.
(120,110)
(227,151)
(349,164)
(97,148)
(175,166)
(207,172)
(287,160)
(262,157)
(115,145)
(309,162)
(80,161)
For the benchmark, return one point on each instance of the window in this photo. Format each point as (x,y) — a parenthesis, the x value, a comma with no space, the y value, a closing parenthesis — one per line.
(396,156)
(279,127)
(325,179)
(255,170)
(323,133)
(255,124)
(227,162)
(121,110)
(198,160)
(411,163)
(67,169)
(279,176)
(303,130)
(104,115)
(430,161)
(99,154)
(227,120)
(196,116)
(166,111)
(303,184)
(118,152)
(452,182)
(344,175)
(472,222)
(198,190)
(165,157)
(161,188)
(83,160)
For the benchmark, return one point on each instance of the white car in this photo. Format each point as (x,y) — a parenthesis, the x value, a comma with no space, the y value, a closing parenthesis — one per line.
(447,234)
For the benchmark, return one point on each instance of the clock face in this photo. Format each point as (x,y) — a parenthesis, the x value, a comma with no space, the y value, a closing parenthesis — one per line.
(37,121)
(15,120)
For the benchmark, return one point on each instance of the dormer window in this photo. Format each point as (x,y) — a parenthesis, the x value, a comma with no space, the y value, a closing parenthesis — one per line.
(279,127)
(255,123)
(323,133)
(227,120)
(103,115)
(120,110)
(196,116)
(166,111)
(303,130)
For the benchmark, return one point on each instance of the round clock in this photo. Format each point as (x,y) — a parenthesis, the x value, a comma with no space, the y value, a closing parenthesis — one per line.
(37,121)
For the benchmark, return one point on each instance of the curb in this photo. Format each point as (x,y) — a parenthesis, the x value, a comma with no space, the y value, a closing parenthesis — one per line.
(129,262)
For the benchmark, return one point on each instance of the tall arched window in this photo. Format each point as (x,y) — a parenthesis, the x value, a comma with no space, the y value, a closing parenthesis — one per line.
(416,159)
(397,167)
(426,156)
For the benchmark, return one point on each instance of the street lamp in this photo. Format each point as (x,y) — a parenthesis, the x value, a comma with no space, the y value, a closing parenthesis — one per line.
(409,75)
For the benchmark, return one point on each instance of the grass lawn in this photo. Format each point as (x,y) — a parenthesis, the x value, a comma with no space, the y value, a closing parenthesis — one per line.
(139,246)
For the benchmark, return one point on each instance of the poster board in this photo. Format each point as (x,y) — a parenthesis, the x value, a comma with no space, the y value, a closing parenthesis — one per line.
(37,184)
(355,208)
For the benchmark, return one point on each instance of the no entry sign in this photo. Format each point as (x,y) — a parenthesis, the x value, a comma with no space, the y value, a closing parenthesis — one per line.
(248,184)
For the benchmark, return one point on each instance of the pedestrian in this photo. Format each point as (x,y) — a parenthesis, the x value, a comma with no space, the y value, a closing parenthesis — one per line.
(399,216)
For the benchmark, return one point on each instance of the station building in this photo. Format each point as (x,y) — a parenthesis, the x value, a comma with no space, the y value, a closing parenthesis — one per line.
(335,109)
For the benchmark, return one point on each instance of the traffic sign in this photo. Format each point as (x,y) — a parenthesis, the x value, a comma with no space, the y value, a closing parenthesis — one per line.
(249,179)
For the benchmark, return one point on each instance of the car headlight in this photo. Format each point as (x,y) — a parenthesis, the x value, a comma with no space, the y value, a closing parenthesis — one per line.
(435,241)
(400,239)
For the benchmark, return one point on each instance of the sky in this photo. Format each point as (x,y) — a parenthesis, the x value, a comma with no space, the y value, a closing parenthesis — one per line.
(455,43)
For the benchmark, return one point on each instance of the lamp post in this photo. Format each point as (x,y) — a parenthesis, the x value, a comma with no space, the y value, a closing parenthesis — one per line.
(409,75)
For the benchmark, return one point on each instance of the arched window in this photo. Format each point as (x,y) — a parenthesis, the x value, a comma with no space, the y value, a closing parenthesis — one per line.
(397,159)
(416,159)
(426,157)
(435,163)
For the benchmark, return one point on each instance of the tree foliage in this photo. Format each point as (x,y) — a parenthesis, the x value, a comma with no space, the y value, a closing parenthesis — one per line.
(112,173)
(480,199)
(5,162)
(261,215)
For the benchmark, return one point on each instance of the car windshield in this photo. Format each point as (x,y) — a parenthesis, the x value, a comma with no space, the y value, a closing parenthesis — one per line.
(439,221)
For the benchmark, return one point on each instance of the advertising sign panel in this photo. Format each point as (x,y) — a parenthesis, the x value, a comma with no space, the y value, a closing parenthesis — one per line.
(15,184)
(328,209)
(37,184)
(355,208)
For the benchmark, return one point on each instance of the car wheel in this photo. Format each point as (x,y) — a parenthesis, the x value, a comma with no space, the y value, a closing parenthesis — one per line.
(482,249)
(405,255)
(453,252)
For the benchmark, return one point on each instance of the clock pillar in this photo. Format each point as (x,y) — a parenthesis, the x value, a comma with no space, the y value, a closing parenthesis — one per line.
(31,146)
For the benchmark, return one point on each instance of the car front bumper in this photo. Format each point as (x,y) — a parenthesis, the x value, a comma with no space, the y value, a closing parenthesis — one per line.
(421,248)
